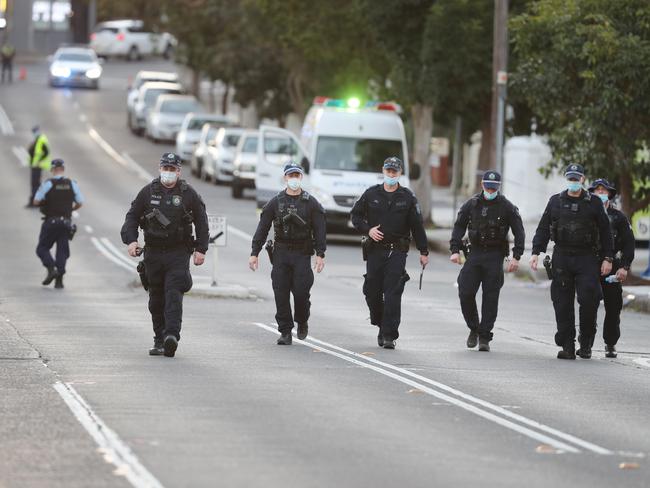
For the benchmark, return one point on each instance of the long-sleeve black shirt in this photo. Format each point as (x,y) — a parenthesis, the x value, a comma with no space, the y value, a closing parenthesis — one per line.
(397,213)
(596,214)
(511,214)
(192,202)
(315,218)
(624,237)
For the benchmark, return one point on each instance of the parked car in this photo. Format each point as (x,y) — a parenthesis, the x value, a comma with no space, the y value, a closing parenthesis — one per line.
(129,39)
(165,119)
(244,164)
(206,141)
(146,99)
(75,66)
(188,137)
(143,77)
(218,161)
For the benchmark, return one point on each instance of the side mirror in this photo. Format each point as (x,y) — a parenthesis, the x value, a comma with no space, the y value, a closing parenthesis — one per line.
(415,171)
(304,162)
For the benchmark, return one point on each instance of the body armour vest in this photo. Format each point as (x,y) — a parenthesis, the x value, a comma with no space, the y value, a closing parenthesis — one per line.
(488,226)
(292,220)
(574,226)
(166,221)
(59,200)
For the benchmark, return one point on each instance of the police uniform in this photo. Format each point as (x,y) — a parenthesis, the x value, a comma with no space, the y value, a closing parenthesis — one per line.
(56,197)
(166,216)
(398,215)
(39,160)
(487,223)
(623,256)
(299,231)
(581,231)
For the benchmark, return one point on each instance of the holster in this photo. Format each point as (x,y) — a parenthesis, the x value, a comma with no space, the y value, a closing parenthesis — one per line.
(142,271)
(547,266)
(269,250)
(365,245)
(72,230)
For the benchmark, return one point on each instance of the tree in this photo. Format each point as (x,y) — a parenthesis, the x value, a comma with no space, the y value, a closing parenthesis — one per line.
(584,69)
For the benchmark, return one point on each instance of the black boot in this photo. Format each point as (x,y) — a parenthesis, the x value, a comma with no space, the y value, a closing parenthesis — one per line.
(158,348)
(285,339)
(389,344)
(472,339)
(170,345)
(567,352)
(484,344)
(585,347)
(303,330)
(51,274)
(610,351)
(380,340)
(58,283)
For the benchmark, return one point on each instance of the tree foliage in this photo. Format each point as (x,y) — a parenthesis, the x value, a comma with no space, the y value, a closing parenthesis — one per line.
(584,68)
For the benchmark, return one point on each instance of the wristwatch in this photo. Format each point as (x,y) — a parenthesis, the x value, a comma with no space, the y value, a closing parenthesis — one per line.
(424,253)
(321,255)
(609,260)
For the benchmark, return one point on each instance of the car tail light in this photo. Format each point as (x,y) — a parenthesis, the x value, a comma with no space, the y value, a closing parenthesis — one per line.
(93,36)
(120,36)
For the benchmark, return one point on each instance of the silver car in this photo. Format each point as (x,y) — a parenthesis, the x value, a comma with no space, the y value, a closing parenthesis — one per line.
(75,66)
(147,97)
(165,119)
(221,155)
(143,77)
(188,137)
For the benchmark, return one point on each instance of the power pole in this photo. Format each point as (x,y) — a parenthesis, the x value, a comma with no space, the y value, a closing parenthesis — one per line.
(499,82)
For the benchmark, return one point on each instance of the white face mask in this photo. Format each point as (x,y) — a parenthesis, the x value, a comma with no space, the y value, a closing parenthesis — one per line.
(168,177)
(293,183)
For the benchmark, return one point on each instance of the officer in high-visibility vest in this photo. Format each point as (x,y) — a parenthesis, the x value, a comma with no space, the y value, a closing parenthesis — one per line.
(7,54)
(39,160)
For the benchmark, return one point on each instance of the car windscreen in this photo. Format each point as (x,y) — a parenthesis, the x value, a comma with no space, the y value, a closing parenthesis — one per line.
(250,145)
(107,30)
(179,106)
(348,154)
(151,95)
(75,57)
(197,124)
(231,140)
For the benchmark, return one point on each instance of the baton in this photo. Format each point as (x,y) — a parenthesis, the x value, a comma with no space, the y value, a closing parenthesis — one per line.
(421,274)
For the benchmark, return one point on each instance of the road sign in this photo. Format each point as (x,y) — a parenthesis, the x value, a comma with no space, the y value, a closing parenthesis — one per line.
(218,228)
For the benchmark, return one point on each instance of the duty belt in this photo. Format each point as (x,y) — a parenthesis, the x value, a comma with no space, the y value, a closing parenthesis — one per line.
(574,251)
(292,245)
(54,220)
(392,246)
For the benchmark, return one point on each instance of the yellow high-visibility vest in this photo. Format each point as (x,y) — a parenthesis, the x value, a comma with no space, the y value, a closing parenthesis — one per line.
(39,159)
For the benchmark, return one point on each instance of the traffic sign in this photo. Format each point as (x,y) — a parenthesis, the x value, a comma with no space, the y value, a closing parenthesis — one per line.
(218,228)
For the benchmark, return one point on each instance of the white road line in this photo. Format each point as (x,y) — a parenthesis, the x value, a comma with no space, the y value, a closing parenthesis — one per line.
(109,255)
(643,362)
(5,124)
(442,396)
(240,233)
(142,173)
(21,154)
(500,410)
(107,147)
(111,247)
(83,118)
(88,229)
(114,449)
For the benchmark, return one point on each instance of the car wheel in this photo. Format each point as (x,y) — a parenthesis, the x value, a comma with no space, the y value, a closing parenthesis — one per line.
(236,190)
(133,54)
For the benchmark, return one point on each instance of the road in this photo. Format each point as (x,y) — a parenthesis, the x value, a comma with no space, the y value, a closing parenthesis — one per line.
(83,405)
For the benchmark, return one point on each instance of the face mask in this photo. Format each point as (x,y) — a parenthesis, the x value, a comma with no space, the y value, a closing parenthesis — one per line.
(490,196)
(573,186)
(391,181)
(293,183)
(168,177)
(604,197)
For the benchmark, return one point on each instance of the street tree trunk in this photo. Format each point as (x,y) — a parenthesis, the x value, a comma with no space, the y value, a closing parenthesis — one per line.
(224,99)
(422,129)
(296,95)
(196,83)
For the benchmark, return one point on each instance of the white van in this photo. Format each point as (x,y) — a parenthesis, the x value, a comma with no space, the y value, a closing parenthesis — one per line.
(342,150)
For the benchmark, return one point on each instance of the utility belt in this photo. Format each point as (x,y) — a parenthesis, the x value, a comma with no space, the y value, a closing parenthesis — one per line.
(167,246)
(402,245)
(574,251)
(66,221)
(304,246)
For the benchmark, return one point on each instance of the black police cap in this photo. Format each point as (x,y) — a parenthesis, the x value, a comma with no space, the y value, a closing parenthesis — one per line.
(170,159)
(57,163)
(393,163)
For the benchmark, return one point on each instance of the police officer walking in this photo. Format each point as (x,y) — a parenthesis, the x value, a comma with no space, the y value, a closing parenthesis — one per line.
(623,257)
(7,54)
(165,209)
(487,216)
(577,223)
(58,197)
(39,160)
(388,214)
(299,230)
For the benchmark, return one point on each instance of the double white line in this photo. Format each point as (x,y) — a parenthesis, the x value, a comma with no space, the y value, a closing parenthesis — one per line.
(5,124)
(560,441)
(113,254)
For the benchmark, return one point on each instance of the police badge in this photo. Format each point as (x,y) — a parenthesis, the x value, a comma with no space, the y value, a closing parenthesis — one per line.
(176,200)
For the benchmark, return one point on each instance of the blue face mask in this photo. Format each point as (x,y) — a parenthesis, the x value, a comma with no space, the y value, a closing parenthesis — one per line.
(391,181)
(490,196)
(604,197)
(573,186)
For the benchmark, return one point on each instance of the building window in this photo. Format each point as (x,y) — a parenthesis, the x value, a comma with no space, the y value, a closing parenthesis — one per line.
(54,14)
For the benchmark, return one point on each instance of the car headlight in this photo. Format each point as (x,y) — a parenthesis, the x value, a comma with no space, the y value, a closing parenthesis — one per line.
(322,196)
(60,71)
(94,73)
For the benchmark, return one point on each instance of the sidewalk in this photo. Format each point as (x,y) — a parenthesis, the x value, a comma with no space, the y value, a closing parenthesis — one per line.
(637,296)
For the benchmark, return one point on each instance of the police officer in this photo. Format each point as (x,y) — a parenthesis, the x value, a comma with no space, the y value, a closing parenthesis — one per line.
(487,216)
(299,230)
(388,214)
(623,257)
(165,209)
(58,197)
(39,160)
(7,54)
(576,221)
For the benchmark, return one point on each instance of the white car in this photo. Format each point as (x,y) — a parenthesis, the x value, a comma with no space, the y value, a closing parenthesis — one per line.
(165,119)
(244,164)
(218,161)
(75,66)
(206,140)
(143,77)
(188,137)
(147,97)
(129,39)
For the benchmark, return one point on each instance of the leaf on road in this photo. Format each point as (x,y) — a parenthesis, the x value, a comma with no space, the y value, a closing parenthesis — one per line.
(628,466)
(368,353)
(415,391)
(545,449)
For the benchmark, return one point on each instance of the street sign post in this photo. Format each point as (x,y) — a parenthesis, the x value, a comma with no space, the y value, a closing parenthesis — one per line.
(218,229)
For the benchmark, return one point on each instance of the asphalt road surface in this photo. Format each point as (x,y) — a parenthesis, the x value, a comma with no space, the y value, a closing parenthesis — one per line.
(83,405)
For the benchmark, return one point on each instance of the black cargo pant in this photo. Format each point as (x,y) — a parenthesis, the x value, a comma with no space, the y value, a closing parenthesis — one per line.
(613,298)
(383,287)
(35,181)
(55,230)
(291,275)
(483,268)
(168,272)
(575,274)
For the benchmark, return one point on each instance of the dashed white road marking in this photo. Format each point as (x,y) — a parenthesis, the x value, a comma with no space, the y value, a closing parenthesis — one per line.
(116,252)
(88,229)
(114,450)
(107,147)
(5,124)
(21,154)
(643,362)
